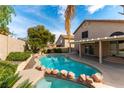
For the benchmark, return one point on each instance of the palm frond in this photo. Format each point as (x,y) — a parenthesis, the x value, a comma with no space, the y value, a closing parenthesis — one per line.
(69,14)
(12,80)
(25,84)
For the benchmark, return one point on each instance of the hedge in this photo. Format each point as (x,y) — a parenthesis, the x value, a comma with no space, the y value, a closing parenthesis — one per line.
(18,56)
(48,50)
(57,50)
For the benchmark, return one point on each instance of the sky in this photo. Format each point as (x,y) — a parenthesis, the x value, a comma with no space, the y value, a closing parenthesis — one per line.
(52,17)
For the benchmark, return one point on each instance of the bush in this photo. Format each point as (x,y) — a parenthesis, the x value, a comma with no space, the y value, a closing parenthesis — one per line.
(54,50)
(48,50)
(18,56)
(57,50)
(43,51)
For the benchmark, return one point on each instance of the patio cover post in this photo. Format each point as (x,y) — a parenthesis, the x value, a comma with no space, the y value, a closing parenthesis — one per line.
(79,49)
(100,52)
(69,47)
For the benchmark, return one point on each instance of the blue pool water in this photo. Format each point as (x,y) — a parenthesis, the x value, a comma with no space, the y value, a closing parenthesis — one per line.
(61,62)
(51,82)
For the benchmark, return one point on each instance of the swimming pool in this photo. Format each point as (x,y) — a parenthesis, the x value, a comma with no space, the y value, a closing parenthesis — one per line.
(52,82)
(61,62)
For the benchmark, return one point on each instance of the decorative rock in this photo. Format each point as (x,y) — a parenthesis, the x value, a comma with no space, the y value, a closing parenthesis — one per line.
(82,78)
(36,55)
(43,68)
(48,71)
(51,70)
(55,71)
(97,77)
(38,68)
(71,75)
(89,80)
(63,73)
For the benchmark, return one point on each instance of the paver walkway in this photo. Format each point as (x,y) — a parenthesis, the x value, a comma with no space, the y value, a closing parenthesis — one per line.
(31,74)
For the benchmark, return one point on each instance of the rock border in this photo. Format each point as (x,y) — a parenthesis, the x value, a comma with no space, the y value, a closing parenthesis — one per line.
(66,75)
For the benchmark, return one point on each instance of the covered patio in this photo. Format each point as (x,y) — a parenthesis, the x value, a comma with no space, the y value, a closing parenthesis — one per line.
(102,45)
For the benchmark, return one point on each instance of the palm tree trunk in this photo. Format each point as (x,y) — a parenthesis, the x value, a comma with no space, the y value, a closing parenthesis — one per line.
(69,43)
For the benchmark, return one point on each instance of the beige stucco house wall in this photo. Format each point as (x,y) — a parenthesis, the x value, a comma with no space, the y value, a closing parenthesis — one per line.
(9,44)
(98,29)
(63,41)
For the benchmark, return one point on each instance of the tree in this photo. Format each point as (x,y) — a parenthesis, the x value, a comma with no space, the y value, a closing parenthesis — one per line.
(69,13)
(52,38)
(39,37)
(6,13)
(4,31)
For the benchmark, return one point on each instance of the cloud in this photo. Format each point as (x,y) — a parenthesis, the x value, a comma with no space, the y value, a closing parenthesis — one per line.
(93,8)
(20,24)
(61,11)
(39,13)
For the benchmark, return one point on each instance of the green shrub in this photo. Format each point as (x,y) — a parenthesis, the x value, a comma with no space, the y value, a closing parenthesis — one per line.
(18,56)
(57,50)
(48,50)
(54,50)
(44,51)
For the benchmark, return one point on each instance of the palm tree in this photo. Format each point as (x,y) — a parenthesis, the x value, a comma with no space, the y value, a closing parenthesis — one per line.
(69,14)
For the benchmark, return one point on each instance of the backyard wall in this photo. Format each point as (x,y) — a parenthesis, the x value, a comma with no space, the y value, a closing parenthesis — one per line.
(9,44)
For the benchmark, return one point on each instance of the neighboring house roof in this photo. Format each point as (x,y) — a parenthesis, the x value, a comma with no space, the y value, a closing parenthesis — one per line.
(65,37)
(98,20)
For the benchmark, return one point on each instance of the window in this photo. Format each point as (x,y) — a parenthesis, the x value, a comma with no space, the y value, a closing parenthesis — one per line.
(85,34)
(117,34)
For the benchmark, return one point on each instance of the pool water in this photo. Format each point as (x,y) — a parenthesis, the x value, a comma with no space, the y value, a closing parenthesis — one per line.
(61,62)
(51,82)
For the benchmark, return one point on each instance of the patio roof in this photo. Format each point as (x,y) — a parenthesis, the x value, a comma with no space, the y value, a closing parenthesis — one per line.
(113,38)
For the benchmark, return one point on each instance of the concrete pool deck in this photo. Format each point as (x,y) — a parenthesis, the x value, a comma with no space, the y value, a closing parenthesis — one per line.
(113,73)
(32,75)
